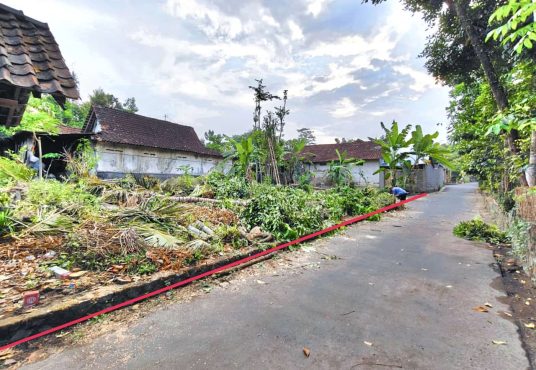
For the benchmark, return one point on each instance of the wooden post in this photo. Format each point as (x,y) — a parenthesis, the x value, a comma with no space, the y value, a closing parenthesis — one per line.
(40,150)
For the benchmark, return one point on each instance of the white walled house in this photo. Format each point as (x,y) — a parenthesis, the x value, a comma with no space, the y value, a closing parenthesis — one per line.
(317,158)
(128,143)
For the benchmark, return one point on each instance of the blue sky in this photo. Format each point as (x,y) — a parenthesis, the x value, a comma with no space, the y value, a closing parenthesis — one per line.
(347,65)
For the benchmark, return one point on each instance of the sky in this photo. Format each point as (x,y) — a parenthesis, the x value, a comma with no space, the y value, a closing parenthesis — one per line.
(347,66)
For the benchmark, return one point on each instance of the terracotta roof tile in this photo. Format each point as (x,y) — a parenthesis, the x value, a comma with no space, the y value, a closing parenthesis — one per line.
(25,41)
(323,153)
(122,127)
(67,130)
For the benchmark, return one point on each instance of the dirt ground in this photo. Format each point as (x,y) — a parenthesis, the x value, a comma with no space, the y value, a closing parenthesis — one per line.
(284,263)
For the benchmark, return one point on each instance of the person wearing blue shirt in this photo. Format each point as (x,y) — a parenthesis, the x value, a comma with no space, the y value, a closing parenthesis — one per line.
(399,193)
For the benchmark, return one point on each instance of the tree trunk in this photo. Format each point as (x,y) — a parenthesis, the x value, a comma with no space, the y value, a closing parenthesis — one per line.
(530,173)
(273,161)
(499,94)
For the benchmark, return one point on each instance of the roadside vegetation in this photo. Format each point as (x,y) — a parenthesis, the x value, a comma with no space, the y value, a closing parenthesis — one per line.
(479,230)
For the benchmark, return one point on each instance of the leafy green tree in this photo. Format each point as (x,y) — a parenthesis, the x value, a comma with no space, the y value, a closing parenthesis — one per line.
(521,27)
(130,105)
(340,170)
(395,150)
(294,157)
(102,99)
(517,26)
(215,141)
(243,156)
(426,146)
(308,135)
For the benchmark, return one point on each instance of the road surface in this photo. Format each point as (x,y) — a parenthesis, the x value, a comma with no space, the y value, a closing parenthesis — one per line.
(400,295)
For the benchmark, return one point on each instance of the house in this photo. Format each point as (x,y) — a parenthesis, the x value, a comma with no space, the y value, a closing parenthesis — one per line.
(128,143)
(30,62)
(317,158)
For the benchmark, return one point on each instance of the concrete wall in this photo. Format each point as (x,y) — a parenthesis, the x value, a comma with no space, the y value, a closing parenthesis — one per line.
(116,160)
(361,175)
(427,179)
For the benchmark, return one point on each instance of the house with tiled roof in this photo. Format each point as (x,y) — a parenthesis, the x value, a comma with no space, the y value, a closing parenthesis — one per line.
(30,62)
(129,143)
(316,159)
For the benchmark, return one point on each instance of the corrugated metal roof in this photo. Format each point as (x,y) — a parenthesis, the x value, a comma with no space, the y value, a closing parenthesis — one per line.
(121,127)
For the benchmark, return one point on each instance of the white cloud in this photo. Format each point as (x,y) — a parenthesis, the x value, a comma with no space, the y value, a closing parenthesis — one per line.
(344,108)
(422,81)
(207,17)
(296,32)
(315,7)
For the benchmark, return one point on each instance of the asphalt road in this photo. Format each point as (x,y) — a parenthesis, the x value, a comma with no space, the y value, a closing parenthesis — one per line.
(400,296)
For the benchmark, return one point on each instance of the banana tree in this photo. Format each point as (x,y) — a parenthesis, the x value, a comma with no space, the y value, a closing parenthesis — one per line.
(395,150)
(243,156)
(425,146)
(339,171)
(293,156)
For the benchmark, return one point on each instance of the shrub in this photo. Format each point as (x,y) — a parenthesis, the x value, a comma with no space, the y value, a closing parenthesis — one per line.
(13,170)
(52,193)
(228,187)
(479,230)
(285,212)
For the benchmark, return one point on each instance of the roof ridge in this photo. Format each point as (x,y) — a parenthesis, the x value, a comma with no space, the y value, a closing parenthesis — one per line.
(20,13)
(122,111)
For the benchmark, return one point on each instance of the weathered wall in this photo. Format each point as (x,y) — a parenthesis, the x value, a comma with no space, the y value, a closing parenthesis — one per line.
(116,160)
(427,179)
(361,175)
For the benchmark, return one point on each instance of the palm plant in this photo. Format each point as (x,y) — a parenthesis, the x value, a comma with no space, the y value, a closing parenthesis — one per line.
(339,171)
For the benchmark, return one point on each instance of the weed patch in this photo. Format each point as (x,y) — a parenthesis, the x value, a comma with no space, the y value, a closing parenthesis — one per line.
(479,230)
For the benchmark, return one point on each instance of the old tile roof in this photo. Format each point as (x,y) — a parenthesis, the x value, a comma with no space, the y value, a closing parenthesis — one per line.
(30,59)
(68,130)
(323,153)
(117,126)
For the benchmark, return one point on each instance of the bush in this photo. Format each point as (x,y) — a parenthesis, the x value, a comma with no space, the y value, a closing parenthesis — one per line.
(12,170)
(289,213)
(228,187)
(52,193)
(285,212)
(479,230)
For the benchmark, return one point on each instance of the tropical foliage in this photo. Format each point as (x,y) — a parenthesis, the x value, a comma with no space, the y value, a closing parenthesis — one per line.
(340,170)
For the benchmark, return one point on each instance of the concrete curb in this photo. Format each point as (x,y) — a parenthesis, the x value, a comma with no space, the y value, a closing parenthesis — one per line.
(21,326)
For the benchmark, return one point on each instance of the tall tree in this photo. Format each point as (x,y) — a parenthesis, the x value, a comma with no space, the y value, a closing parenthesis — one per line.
(517,26)
(260,95)
(103,99)
(307,135)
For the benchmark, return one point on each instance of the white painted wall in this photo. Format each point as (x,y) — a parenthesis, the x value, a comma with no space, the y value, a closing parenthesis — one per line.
(124,159)
(362,175)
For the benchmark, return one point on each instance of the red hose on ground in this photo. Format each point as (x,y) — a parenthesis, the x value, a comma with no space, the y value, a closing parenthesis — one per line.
(211,272)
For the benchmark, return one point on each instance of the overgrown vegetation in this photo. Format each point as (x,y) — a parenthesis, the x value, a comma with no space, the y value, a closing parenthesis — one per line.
(479,230)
